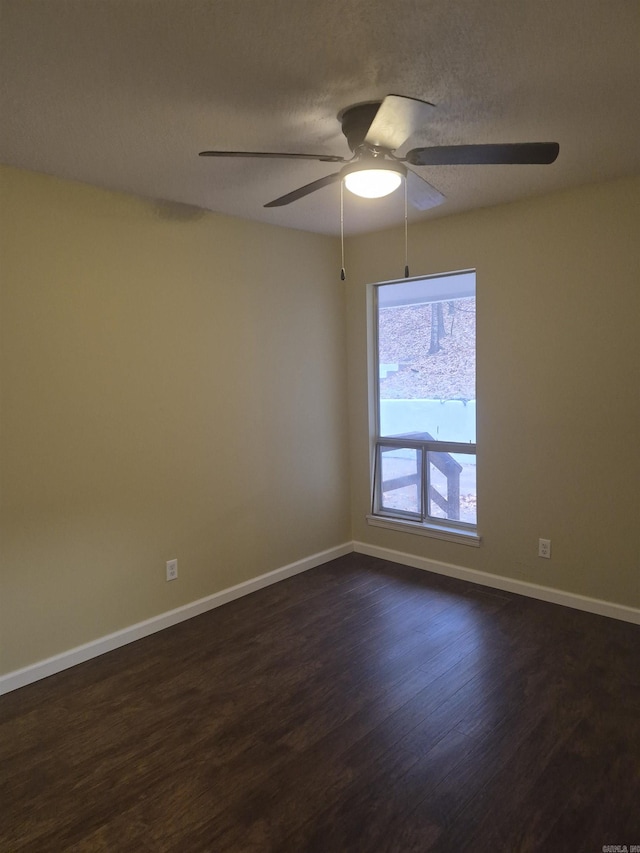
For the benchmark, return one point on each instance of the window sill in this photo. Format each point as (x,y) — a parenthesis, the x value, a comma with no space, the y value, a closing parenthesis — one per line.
(449,534)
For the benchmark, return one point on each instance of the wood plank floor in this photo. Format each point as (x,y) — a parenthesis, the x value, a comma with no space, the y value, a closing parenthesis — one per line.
(360,706)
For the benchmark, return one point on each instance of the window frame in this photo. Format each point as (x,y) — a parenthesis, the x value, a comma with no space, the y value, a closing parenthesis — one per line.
(395,519)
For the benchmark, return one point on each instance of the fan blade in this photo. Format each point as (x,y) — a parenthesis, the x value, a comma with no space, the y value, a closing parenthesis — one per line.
(397,118)
(324,158)
(420,192)
(480,155)
(301,192)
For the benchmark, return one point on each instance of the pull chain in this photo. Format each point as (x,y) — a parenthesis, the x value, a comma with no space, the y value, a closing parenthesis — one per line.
(343,275)
(406,240)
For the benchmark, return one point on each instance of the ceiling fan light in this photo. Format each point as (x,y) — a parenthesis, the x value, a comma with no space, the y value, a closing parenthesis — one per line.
(373,183)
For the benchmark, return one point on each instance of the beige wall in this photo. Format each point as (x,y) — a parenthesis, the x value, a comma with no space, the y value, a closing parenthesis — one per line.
(558,340)
(177,387)
(171,388)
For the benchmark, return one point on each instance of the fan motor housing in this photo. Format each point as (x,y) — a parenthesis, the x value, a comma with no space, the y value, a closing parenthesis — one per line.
(356,121)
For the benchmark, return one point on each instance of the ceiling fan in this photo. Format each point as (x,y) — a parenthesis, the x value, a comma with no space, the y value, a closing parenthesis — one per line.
(374,131)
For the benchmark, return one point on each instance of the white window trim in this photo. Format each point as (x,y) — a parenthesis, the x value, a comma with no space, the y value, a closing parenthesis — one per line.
(424,528)
(449,533)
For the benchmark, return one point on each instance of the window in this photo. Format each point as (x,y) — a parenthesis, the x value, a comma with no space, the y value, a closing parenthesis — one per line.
(424,453)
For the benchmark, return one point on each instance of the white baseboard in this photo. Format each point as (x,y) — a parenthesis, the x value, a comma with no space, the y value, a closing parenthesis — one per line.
(531,590)
(80,654)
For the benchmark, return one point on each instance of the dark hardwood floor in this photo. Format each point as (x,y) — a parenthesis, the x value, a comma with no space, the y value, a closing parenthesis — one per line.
(360,706)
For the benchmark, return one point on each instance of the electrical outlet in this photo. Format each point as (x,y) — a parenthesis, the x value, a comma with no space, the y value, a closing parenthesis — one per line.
(544,548)
(172,570)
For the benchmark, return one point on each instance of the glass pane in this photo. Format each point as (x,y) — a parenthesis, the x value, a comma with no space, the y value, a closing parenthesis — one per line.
(400,480)
(426,358)
(452,486)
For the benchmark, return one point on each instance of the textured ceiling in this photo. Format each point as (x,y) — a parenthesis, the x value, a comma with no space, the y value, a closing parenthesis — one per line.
(123,94)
